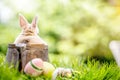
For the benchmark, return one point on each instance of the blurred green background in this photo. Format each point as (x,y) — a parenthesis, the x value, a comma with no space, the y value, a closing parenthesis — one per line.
(70,27)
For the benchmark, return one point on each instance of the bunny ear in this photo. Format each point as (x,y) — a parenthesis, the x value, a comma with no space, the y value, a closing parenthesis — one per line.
(23,21)
(34,22)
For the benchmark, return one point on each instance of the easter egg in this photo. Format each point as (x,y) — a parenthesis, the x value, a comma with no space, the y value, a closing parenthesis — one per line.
(48,69)
(34,67)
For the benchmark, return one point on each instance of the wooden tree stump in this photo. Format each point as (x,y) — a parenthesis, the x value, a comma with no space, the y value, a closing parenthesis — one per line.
(20,55)
(12,56)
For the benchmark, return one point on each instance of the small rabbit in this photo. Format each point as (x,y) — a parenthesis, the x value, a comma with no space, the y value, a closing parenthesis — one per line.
(29,34)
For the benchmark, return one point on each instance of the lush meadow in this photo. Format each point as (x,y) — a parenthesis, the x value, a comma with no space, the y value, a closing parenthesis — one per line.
(78,33)
(89,70)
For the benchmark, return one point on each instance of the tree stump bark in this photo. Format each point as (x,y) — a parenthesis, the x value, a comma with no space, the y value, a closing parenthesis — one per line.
(20,55)
(12,57)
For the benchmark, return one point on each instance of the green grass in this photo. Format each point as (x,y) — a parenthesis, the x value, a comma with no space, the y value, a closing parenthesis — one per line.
(90,70)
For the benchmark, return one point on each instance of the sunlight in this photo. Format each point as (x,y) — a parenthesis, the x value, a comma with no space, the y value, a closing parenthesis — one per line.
(5,13)
(25,5)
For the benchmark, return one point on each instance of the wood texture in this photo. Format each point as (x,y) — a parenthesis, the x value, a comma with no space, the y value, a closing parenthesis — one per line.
(21,54)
